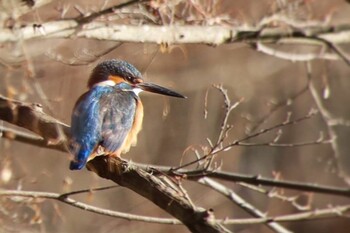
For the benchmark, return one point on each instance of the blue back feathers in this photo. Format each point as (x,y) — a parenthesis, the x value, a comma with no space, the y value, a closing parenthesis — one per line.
(102,116)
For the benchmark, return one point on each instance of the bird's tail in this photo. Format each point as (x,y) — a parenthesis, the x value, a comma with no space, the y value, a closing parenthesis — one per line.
(79,160)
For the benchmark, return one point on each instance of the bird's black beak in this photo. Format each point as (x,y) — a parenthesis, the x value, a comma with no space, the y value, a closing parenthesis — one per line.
(158,89)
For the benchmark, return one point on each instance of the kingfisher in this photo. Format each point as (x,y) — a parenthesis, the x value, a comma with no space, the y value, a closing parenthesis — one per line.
(107,118)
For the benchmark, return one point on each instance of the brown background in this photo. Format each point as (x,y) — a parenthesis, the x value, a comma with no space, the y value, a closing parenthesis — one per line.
(172,125)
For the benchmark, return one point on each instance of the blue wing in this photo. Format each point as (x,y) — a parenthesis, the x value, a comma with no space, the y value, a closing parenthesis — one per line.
(103,115)
(85,127)
(118,119)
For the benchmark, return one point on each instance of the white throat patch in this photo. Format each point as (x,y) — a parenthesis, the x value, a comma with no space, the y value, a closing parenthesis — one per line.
(137,91)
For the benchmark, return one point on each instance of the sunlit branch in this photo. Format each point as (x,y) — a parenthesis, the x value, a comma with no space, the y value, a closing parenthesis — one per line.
(158,189)
(276,194)
(32,139)
(250,179)
(249,208)
(248,137)
(67,200)
(330,121)
(331,212)
(86,19)
(292,56)
(178,34)
(259,180)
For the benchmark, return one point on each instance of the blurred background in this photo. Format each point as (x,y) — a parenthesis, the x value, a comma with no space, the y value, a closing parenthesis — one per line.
(173,125)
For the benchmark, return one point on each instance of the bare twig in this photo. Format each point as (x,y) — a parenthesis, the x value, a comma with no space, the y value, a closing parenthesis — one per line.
(65,199)
(335,212)
(274,193)
(249,179)
(263,131)
(259,180)
(278,106)
(252,210)
(238,142)
(331,212)
(294,144)
(32,139)
(294,56)
(79,61)
(86,19)
(331,122)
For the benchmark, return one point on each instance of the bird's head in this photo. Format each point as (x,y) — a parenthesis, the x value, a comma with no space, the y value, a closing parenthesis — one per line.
(114,72)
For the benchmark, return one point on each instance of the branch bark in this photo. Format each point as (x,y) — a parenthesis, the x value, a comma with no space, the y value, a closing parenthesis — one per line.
(176,34)
(31,116)
(159,189)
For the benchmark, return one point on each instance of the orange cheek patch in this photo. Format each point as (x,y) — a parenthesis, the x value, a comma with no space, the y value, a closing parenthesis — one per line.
(116,79)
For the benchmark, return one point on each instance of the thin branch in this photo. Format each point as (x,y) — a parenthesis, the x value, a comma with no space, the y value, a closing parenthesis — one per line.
(65,199)
(278,106)
(294,144)
(32,139)
(91,17)
(88,190)
(330,121)
(259,180)
(331,212)
(336,211)
(249,179)
(336,49)
(228,109)
(230,194)
(260,47)
(277,194)
(263,131)
(217,150)
(79,61)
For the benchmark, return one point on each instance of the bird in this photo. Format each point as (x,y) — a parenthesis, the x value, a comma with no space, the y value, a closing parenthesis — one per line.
(107,118)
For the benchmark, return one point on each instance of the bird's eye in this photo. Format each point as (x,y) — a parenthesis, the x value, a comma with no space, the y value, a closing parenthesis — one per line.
(128,78)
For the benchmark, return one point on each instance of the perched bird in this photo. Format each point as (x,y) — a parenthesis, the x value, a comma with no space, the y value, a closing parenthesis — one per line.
(108,117)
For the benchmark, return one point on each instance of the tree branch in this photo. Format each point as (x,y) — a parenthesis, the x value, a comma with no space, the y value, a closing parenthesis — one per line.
(156,189)
(10,108)
(32,117)
(177,34)
(230,194)
(65,199)
(259,180)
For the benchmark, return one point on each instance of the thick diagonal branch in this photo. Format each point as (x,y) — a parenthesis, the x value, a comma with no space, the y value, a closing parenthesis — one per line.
(161,190)
(31,116)
(155,188)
